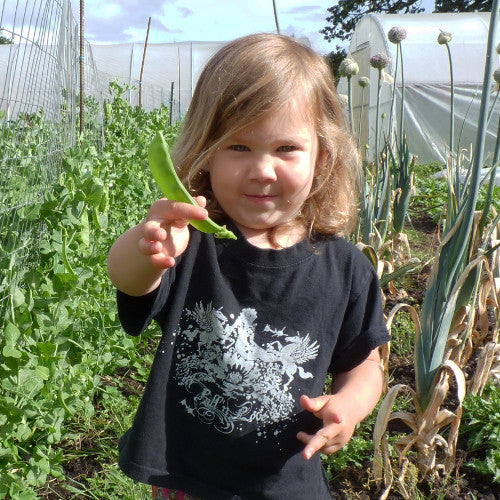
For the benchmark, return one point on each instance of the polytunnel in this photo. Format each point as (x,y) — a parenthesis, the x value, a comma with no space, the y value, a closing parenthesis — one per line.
(427,84)
(173,68)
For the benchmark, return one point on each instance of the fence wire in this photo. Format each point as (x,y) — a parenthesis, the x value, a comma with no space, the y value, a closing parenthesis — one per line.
(39,120)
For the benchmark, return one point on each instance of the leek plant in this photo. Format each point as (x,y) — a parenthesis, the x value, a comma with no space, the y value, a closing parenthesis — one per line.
(440,339)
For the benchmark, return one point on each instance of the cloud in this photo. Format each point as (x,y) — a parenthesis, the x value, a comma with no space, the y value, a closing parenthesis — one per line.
(200,20)
(125,21)
(304,9)
(108,11)
(185,12)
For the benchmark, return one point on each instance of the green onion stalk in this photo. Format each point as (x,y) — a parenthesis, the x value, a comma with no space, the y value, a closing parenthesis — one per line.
(365,224)
(404,182)
(444,38)
(494,163)
(396,35)
(383,208)
(379,62)
(348,68)
(441,300)
(402,162)
(454,187)
(363,82)
(276,17)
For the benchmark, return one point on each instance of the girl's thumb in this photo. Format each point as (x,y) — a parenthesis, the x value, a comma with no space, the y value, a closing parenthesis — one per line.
(313,404)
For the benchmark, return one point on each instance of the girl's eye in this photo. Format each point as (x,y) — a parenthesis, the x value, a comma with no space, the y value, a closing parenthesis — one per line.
(238,147)
(287,149)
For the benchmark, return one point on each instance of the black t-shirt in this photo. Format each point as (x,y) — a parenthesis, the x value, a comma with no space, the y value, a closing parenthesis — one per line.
(245,332)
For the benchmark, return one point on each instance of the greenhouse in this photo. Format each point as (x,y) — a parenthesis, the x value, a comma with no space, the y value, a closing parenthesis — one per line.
(427,78)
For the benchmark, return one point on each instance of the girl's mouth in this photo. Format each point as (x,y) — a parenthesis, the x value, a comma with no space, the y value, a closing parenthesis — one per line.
(259,198)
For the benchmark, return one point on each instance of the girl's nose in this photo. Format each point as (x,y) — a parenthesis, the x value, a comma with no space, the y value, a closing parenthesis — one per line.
(263,168)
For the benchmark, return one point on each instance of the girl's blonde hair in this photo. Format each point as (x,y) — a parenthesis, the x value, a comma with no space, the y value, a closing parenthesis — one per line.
(255,75)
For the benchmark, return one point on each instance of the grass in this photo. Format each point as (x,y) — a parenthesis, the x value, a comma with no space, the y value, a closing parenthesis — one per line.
(402,335)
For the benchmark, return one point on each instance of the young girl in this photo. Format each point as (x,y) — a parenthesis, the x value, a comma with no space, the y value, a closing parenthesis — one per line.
(234,406)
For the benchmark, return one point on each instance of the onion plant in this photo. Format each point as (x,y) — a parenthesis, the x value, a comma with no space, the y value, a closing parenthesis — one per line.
(453,257)
(453,284)
(379,62)
(363,82)
(348,68)
(402,161)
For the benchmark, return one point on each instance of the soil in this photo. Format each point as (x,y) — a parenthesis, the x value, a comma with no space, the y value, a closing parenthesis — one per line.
(356,483)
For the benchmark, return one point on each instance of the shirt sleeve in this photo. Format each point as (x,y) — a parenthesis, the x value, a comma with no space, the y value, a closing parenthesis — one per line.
(136,313)
(363,328)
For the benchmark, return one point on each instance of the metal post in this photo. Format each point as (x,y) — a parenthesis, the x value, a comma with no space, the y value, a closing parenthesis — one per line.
(82,70)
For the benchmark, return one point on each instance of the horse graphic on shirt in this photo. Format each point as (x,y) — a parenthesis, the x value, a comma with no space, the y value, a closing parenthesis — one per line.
(231,377)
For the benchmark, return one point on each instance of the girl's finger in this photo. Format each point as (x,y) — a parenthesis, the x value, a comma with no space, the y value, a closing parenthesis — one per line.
(314,443)
(314,405)
(162,261)
(148,247)
(180,210)
(202,201)
(152,230)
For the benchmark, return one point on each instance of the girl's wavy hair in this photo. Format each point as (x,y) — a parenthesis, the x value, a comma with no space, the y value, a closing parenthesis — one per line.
(255,75)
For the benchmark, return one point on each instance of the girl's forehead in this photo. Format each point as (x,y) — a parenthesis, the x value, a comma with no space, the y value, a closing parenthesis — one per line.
(295,110)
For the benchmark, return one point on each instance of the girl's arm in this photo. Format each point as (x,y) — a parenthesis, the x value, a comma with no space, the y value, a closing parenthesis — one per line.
(139,257)
(355,394)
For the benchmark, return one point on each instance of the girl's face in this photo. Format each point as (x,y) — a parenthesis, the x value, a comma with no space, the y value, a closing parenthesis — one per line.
(262,175)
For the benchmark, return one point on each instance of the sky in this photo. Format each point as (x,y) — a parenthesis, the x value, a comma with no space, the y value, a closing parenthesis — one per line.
(115,21)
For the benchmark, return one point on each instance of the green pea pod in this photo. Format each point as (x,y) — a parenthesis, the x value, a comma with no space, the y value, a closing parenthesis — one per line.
(166,177)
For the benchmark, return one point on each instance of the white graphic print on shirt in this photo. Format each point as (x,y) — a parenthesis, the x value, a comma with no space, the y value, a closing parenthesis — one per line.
(229,377)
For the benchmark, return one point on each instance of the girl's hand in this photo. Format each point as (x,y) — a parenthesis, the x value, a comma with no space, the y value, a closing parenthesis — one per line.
(165,234)
(337,426)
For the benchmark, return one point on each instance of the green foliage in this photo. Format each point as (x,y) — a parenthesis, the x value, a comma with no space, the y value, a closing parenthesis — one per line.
(481,427)
(403,335)
(334,59)
(463,5)
(431,191)
(343,17)
(4,40)
(64,339)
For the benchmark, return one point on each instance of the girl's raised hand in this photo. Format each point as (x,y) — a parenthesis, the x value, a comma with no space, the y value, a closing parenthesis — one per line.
(165,234)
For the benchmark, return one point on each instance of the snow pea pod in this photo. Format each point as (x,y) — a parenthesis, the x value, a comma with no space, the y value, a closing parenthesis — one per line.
(166,177)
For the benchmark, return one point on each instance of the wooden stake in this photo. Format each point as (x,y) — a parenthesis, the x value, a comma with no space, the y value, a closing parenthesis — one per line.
(142,65)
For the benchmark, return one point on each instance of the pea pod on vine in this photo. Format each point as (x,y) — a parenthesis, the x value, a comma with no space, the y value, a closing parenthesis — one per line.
(166,177)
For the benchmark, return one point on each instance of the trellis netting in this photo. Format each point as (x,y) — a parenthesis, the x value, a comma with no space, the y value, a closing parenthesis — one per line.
(40,62)
(38,88)
(39,118)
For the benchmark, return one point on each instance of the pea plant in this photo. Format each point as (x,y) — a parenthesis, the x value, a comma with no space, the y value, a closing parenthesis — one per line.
(63,338)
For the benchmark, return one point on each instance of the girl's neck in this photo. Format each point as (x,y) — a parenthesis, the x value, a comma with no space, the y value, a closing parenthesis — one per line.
(283,237)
